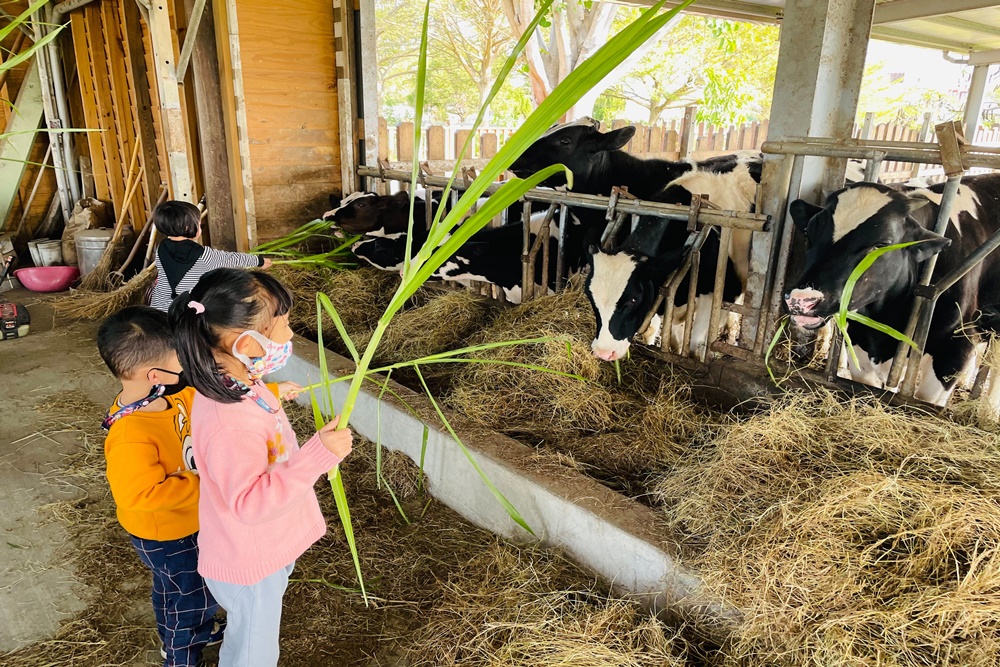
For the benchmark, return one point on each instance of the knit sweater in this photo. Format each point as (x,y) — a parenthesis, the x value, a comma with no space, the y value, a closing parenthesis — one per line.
(258,511)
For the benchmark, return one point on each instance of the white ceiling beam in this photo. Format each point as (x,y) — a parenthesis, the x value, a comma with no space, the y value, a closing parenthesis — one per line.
(984,57)
(916,39)
(963,24)
(904,10)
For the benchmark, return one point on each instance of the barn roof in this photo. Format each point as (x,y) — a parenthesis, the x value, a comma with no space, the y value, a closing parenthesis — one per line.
(970,27)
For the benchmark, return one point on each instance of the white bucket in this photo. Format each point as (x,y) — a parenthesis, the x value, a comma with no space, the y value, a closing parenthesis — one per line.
(33,249)
(90,246)
(50,252)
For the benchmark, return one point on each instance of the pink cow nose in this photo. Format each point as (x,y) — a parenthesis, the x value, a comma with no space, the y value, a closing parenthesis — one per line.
(802,301)
(606,355)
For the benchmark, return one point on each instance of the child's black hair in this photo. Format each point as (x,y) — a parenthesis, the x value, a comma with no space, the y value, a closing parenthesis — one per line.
(134,337)
(177,218)
(232,299)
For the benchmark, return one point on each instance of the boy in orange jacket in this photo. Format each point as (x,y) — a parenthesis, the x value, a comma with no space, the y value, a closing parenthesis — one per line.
(153,478)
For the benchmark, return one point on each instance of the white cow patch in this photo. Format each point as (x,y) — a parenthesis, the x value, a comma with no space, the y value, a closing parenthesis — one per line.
(732,191)
(965,201)
(562,126)
(867,371)
(930,388)
(854,207)
(610,277)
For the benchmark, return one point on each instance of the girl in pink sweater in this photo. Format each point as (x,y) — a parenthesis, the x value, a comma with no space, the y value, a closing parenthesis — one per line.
(258,511)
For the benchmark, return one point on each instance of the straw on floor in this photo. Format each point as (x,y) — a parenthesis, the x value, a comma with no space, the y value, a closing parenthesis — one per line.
(95,305)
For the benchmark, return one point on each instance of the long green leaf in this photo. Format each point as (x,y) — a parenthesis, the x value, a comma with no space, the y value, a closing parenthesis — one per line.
(514,514)
(340,497)
(19,19)
(884,328)
(29,52)
(418,119)
(774,344)
(327,305)
(859,270)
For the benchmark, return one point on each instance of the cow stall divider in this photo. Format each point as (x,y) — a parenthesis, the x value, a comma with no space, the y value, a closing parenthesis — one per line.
(618,208)
(957,158)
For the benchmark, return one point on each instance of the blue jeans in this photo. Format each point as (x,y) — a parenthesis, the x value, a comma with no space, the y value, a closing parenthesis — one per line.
(182,603)
(253,615)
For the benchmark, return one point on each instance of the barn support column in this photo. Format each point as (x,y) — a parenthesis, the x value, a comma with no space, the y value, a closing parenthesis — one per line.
(974,102)
(347,93)
(369,78)
(820,65)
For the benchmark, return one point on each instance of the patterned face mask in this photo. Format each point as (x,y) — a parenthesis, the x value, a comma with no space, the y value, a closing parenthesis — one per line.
(276,355)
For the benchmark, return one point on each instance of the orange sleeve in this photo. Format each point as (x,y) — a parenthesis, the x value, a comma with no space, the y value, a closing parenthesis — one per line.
(138,481)
(273,386)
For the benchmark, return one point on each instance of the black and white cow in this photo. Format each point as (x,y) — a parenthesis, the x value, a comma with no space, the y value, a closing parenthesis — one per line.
(865,216)
(373,214)
(386,252)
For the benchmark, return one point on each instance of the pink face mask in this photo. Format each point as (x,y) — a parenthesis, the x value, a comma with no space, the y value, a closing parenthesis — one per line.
(275,356)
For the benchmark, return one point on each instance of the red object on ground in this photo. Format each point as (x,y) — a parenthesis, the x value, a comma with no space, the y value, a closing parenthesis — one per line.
(48,278)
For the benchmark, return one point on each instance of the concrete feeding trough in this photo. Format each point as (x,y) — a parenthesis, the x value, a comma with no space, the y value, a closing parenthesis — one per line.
(618,539)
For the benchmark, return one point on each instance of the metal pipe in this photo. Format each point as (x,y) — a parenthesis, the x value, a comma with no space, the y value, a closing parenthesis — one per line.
(561,248)
(525,251)
(692,297)
(881,143)
(974,259)
(65,7)
(940,227)
(873,167)
(833,356)
(189,38)
(972,156)
(58,155)
(779,260)
(736,219)
(59,87)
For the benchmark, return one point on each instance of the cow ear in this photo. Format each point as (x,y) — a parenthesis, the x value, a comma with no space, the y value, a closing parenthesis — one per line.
(616,139)
(916,202)
(335,200)
(930,244)
(802,212)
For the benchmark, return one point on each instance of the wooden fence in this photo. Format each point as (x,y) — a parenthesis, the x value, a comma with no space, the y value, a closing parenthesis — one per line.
(440,144)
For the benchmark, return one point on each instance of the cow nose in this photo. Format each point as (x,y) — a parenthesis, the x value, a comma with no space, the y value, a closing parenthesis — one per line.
(802,301)
(605,355)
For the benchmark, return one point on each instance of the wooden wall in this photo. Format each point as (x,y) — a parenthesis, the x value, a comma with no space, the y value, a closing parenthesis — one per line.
(289,82)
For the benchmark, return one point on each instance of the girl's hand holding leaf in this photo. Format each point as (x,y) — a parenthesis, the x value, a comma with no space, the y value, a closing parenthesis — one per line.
(337,442)
(289,391)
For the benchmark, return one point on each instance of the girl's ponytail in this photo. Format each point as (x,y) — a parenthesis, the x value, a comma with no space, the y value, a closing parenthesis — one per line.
(224,299)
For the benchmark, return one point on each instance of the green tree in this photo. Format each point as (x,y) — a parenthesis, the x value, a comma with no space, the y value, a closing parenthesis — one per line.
(725,67)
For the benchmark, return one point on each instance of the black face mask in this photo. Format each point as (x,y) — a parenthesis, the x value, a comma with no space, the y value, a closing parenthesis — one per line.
(177,387)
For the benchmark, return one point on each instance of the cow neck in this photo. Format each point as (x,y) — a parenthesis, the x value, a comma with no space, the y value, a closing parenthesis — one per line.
(644,178)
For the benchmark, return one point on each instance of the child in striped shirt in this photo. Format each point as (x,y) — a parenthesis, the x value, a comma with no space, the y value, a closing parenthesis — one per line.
(181,259)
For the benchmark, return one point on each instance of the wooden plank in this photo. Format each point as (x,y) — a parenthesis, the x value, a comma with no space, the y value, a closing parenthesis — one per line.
(16,149)
(121,104)
(88,98)
(204,73)
(404,141)
(488,144)
(135,48)
(435,142)
(347,93)
(174,130)
(105,104)
(227,40)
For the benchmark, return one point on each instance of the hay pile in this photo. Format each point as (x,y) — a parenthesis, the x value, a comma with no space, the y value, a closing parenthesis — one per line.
(849,533)
(625,430)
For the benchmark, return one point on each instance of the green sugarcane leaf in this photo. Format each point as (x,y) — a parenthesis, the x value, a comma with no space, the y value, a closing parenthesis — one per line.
(340,497)
(884,328)
(859,270)
(423,456)
(418,116)
(511,510)
(16,22)
(324,301)
(774,344)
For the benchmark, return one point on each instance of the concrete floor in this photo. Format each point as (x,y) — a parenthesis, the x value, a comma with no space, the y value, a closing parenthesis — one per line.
(36,591)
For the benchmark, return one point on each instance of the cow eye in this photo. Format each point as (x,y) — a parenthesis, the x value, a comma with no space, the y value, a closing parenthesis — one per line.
(565,141)
(633,301)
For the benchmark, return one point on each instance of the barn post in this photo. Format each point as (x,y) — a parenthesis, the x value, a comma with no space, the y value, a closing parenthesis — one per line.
(820,65)
(974,102)
(347,93)
(369,78)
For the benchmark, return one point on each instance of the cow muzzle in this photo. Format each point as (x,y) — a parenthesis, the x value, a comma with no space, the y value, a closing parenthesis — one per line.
(609,351)
(801,305)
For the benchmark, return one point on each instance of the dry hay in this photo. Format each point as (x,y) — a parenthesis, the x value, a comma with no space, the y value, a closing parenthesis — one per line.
(359,295)
(625,430)
(849,533)
(87,304)
(443,323)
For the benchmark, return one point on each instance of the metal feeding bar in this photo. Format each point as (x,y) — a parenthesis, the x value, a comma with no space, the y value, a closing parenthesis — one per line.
(756,222)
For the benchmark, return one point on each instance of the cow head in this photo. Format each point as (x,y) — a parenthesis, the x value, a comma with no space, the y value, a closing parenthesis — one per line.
(580,146)
(382,252)
(621,287)
(856,220)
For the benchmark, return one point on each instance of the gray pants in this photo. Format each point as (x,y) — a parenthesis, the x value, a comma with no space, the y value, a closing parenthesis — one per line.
(254,619)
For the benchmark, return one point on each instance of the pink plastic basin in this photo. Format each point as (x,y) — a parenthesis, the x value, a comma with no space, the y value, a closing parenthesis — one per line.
(48,278)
